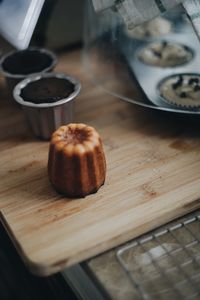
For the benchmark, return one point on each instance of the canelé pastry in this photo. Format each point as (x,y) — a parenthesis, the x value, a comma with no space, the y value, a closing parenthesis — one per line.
(76,165)
(165,54)
(181,90)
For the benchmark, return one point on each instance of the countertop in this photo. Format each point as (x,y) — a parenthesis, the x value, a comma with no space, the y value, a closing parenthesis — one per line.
(103,264)
(143,161)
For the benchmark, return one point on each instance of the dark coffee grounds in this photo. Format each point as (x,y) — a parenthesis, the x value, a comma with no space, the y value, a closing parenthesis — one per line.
(27,62)
(47,90)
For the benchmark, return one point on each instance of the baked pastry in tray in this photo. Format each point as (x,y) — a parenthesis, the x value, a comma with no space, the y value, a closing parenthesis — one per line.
(165,54)
(151,29)
(182,90)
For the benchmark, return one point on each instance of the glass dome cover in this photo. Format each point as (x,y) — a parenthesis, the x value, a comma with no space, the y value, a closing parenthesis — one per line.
(111,55)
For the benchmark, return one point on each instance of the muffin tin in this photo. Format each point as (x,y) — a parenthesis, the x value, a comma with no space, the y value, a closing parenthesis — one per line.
(149,76)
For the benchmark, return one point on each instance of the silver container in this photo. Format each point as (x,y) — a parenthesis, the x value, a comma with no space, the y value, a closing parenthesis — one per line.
(13,79)
(45,118)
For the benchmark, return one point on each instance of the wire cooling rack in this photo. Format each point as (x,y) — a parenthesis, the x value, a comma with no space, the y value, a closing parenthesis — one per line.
(165,264)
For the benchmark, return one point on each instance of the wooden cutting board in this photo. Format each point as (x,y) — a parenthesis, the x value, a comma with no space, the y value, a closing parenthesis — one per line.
(153,176)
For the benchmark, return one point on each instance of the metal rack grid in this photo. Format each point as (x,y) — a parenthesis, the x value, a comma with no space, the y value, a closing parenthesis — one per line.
(165,263)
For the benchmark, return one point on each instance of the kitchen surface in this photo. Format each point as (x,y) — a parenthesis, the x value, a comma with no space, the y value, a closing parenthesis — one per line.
(90,91)
(138,236)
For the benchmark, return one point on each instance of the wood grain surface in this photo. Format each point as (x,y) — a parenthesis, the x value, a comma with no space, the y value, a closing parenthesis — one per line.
(153,176)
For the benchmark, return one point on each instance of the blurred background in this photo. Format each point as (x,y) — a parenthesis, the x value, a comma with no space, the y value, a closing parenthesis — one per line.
(60,25)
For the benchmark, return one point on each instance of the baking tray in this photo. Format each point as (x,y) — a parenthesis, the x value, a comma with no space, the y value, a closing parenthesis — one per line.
(149,76)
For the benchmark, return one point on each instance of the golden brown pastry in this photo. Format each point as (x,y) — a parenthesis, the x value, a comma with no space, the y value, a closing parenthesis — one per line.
(76,165)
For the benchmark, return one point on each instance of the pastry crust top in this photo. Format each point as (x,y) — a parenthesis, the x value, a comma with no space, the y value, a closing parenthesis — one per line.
(75,138)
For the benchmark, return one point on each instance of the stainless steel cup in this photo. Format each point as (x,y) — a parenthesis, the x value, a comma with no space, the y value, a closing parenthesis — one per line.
(45,118)
(12,79)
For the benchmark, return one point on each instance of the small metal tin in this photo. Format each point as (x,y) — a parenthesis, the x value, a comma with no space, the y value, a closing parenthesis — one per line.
(13,79)
(45,118)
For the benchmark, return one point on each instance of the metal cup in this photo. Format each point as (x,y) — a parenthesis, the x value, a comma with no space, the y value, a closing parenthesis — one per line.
(12,79)
(45,118)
